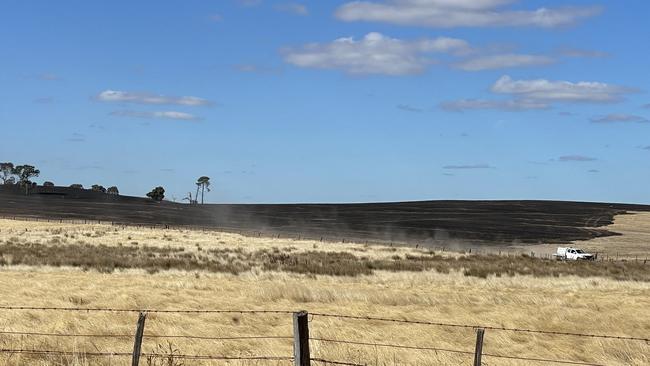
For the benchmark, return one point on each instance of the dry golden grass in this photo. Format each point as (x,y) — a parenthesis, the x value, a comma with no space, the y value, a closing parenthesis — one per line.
(633,244)
(589,305)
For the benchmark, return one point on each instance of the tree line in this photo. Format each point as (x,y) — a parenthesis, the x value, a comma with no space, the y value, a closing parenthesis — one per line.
(22,176)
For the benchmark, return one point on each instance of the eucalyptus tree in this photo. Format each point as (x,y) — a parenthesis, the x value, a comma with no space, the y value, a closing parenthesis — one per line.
(98,188)
(157,194)
(204,183)
(25,173)
(7,172)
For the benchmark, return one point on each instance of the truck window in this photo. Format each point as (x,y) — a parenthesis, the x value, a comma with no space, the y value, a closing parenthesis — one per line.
(579,251)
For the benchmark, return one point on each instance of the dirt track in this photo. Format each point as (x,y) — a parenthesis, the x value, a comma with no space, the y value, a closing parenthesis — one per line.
(488,222)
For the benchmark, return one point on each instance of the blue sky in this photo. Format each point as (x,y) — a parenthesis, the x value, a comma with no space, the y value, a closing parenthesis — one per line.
(332,101)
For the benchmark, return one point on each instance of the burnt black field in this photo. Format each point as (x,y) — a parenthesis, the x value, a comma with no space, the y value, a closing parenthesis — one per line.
(484,222)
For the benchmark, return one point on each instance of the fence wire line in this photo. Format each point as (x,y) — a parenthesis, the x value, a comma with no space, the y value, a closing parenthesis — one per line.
(399,346)
(390,345)
(66,353)
(144,310)
(87,335)
(357,317)
(336,362)
(144,354)
(422,322)
(543,360)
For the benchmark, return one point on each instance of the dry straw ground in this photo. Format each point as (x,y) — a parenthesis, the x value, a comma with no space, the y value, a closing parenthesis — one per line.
(47,264)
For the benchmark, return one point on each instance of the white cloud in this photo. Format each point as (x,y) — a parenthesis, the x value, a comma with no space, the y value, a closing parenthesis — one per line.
(577,158)
(472,166)
(293,8)
(618,118)
(164,115)
(560,91)
(503,61)
(505,105)
(374,54)
(148,98)
(541,94)
(460,13)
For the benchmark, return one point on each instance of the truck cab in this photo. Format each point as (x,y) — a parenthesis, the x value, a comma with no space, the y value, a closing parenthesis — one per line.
(570,253)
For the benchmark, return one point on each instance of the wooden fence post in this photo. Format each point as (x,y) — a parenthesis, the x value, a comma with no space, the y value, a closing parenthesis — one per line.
(301,339)
(137,345)
(479,346)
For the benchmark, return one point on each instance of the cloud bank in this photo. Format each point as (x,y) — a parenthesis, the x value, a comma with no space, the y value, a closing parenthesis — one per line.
(503,61)
(541,94)
(149,98)
(472,166)
(619,118)
(162,115)
(577,158)
(461,13)
(374,54)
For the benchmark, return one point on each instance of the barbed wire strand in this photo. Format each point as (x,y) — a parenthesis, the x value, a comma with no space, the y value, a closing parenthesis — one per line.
(357,317)
(390,345)
(211,357)
(124,354)
(70,335)
(399,346)
(336,362)
(479,326)
(65,353)
(566,362)
(88,335)
(144,310)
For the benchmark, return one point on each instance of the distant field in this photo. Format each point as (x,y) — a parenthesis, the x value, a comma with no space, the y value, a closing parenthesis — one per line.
(457,224)
(77,265)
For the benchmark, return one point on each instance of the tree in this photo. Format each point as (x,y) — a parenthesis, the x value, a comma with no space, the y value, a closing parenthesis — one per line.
(25,173)
(48,184)
(76,186)
(113,190)
(157,194)
(98,188)
(204,183)
(6,173)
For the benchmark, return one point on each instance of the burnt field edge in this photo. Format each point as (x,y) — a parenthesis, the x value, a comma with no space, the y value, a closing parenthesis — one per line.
(427,222)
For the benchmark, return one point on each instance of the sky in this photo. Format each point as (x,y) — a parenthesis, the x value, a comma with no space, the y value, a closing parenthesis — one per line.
(331,101)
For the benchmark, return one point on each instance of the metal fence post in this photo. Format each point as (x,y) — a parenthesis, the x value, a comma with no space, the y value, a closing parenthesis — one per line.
(301,339)
(479,346)
(137,345)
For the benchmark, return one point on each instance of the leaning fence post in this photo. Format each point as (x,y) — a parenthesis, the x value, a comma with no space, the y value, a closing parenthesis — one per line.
(137,345)
(479,346)
(301,339)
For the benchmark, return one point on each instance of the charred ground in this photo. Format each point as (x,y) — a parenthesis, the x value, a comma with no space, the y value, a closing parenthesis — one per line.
(488,222)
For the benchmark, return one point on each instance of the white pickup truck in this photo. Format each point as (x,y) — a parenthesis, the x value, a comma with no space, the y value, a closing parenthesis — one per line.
(573,254)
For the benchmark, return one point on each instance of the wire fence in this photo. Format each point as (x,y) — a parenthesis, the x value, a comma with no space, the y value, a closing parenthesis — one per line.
(299,339)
